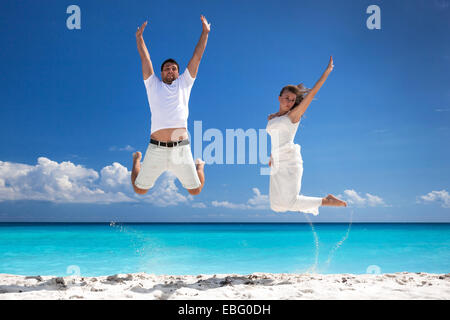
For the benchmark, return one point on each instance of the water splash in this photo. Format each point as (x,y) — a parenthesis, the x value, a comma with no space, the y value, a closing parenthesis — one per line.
(313,268)
(339,244)
(144,245)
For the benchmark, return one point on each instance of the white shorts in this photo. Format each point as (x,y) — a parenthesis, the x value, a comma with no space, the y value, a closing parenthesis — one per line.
(177,160)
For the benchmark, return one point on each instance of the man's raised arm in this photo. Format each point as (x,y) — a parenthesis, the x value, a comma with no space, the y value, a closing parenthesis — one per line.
(199,49)
(147,67)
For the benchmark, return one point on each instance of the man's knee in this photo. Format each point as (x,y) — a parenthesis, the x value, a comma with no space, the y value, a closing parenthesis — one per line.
(195,192)
(139,190)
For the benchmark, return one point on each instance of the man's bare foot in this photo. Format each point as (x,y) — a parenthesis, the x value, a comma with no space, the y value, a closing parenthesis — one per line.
(136,166)
(137,156)
(135,171)
(199,164)
(332,201)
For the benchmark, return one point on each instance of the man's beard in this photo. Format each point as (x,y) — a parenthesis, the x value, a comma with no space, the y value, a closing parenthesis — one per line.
(169,79)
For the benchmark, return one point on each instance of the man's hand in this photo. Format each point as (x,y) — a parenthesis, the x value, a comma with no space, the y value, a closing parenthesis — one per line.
(200,48)
(147,67)
(140,29)
(206,26)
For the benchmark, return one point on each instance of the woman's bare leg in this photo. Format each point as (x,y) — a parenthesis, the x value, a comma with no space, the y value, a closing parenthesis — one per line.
(134,173)
(332,201)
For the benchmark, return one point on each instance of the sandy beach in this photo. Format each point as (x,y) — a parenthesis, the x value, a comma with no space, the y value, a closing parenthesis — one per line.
(261,286)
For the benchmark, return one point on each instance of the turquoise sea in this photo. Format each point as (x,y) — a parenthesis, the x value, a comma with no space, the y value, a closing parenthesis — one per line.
(241,248)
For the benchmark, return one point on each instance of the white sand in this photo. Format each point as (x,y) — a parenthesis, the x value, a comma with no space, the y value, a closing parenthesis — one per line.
(229,286)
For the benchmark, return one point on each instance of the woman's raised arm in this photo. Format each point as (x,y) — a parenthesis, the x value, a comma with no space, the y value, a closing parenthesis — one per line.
(297,113)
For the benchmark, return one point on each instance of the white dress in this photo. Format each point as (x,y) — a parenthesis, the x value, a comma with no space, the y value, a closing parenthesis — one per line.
(287,169)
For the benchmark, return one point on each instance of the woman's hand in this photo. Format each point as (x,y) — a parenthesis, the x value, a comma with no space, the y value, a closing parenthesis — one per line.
(205,25)
(330,65)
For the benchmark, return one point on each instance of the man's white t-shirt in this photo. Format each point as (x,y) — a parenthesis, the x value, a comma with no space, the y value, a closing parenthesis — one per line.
(169,102)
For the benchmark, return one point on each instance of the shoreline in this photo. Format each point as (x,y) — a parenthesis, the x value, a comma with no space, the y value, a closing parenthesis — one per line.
(255,286)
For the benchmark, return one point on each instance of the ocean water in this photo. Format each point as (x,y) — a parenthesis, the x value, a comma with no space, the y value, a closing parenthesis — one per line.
(189,249)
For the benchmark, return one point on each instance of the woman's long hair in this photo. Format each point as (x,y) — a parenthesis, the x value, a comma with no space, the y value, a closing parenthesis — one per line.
(299,90)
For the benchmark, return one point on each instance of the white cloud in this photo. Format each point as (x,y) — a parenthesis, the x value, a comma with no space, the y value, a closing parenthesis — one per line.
(354,199)
(229,205)
(373,201)
(437,196)
(165,192)
(215,215)
(67,182)
(52,181)
(115,176)
(199,205)
(126,148)
(258,201)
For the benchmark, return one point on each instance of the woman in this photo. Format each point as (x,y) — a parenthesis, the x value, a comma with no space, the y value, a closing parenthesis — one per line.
(286,160)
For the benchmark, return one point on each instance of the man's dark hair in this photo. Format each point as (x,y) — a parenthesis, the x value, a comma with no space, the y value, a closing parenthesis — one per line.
(170,61)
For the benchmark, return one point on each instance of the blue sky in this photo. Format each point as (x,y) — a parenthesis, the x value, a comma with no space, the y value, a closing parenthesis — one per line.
(377,134)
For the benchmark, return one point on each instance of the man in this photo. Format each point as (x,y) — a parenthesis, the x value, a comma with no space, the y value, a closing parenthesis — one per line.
(169,148)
